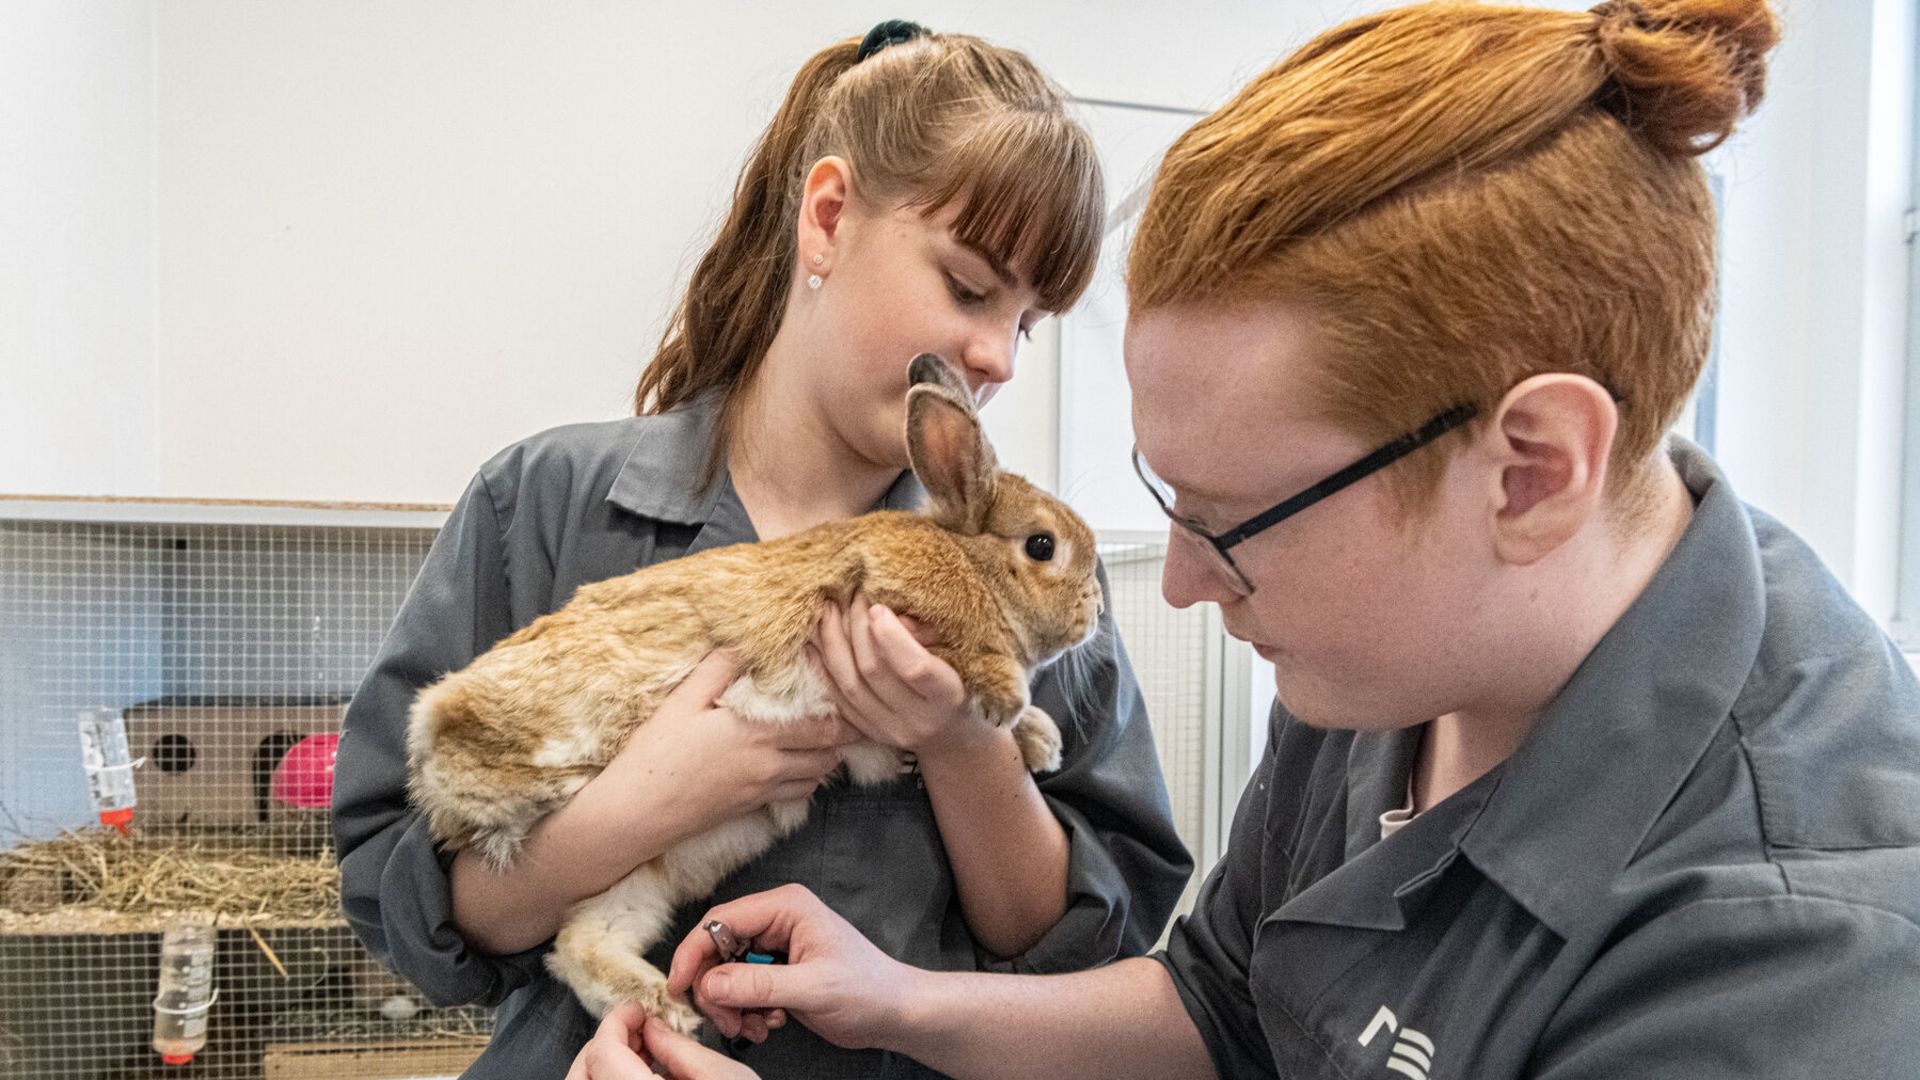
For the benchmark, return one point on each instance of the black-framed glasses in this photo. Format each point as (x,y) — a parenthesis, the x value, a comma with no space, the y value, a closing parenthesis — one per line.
(1218,543)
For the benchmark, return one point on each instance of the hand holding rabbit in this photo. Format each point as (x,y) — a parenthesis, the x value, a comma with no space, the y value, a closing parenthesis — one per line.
(888,686)
(706,756)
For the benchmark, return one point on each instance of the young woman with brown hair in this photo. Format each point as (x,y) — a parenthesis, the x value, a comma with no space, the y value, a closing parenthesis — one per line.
(1579,767)
(917,192)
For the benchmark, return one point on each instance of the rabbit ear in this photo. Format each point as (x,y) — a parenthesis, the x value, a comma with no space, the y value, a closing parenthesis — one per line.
(929,368)
(949,452)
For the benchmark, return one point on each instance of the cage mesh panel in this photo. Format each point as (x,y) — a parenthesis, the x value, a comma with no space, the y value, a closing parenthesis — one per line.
(1167,647)
(223,646)
(237,641)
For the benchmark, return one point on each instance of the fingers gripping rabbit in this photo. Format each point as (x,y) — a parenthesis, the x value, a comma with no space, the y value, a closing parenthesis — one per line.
(1003,574)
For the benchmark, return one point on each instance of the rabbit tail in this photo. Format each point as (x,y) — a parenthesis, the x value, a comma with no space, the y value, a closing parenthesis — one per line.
(475,795)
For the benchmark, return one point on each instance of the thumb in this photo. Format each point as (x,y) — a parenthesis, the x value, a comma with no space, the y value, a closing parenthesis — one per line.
(756,986)
(680,1055)
(922,633)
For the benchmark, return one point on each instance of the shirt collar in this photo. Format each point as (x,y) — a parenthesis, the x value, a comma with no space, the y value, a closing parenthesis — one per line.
(1579,797)
(1380,881)
(1378,765)
(661,477)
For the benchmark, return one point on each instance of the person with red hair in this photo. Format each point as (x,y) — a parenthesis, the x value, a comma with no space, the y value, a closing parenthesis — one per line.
(1579,766)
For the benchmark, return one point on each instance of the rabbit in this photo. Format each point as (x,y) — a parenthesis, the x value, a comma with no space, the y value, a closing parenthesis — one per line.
(1001,572)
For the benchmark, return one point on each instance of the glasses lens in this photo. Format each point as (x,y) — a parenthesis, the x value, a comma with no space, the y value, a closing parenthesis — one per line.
(1223,567)
(1161,491)
(1189,532)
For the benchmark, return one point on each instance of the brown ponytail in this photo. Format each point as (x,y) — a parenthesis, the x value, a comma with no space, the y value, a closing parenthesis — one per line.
(738,291)
(939,119)
(1466,195)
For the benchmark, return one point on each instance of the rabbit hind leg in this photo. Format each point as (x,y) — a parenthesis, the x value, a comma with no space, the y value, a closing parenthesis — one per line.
(601,951)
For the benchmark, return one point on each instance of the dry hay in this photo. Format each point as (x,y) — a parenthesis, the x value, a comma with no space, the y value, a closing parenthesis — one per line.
(98,881)
(460,1023)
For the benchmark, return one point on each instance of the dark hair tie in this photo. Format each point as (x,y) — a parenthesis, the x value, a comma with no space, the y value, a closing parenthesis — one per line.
(891,32)
(1630,12)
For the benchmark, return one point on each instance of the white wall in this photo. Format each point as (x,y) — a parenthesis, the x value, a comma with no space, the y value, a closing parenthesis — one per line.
(396,236)
(1814,286)
(77,360)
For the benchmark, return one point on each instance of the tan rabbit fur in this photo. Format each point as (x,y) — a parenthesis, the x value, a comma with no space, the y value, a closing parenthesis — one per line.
(496,746)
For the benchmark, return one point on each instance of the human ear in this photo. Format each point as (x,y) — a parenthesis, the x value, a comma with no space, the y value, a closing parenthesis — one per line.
(824,200)
(1551,442)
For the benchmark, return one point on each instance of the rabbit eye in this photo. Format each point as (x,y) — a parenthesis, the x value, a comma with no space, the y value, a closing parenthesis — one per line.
(1040,547)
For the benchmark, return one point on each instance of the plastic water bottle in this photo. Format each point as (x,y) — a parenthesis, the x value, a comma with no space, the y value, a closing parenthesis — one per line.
(186,993)
(103,753)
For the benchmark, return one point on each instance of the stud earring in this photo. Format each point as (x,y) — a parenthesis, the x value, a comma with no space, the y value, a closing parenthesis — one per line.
(813,281)
(818,258)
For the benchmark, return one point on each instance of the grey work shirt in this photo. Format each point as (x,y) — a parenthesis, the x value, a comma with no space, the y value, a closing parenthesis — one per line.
(584,503)
(1703,862)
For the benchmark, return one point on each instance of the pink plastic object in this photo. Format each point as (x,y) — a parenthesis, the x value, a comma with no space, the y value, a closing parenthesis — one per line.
(304,777)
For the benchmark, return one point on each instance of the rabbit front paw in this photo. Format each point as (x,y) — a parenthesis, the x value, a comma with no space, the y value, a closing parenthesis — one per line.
(1039,739)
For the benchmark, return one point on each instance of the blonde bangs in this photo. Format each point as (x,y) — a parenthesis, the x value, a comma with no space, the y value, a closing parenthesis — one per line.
(1030,194)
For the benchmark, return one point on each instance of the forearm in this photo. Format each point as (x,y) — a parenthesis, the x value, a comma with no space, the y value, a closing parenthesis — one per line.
(613,824)
(1122,1020)
(1007,850)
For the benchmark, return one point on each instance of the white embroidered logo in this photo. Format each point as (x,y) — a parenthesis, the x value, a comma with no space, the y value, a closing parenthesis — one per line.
(1412,1053)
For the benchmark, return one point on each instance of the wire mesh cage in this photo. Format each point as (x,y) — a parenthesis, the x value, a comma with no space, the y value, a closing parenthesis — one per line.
(197,933)
(1168,648)
(220,657)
